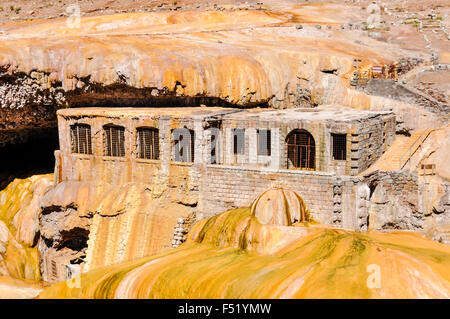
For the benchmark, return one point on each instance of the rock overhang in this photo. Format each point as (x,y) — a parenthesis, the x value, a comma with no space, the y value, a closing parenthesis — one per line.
(240,57)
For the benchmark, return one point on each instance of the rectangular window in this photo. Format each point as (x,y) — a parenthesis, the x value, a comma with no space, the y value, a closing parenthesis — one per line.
(238,141)
(80,137)
(114,141)
(339,146)
(148,143)
(264,142)
(184,145)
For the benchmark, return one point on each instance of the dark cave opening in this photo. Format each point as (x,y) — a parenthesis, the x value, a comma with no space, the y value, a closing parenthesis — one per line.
(75,239)
(33,156)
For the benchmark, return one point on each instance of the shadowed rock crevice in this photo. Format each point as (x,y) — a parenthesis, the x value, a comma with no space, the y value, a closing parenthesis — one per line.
(122,95)
(63,241)
(32,154)
(29,101)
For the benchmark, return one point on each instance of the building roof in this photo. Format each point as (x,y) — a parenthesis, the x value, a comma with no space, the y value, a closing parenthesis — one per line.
(329,112)
(192,112)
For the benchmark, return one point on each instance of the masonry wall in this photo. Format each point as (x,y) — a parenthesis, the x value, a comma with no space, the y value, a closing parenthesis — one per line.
(332,198)
(367,139)
(396,201)
(227,187)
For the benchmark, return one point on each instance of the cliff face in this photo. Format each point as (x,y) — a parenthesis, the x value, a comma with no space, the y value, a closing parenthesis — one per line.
(94,225)
(19,211)
(232,255)
(234,58)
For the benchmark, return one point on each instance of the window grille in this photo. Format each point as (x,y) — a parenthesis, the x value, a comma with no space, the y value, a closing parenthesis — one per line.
(184,145)
(264,142)
(238,141)
(80,136)
(339,146)
(301,150)
(214,146)
(114,141)
(54,270)
(148,143)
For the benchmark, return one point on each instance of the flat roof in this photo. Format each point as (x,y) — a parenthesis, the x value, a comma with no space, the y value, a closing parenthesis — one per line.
(325,112)
(193,112)
(330,112)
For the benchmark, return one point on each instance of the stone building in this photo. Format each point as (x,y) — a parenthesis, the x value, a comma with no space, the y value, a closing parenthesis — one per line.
(213,159)
(224,157)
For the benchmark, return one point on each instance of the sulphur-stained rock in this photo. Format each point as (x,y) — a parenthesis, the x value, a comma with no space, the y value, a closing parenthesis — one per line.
(224,258)
(4,232)
(26,220)
(22,213)
(280,207)
(18,214)
(227,58)
(11,288)
(89,225)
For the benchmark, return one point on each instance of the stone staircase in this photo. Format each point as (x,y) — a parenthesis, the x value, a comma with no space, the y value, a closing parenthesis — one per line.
(400,152)
(407,150)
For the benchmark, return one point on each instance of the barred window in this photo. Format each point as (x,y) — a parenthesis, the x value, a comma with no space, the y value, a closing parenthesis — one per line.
(238,141)
(183,145)
(339,146)
(114,140)
(301,150)
(264,142)
(148,143)
(80,138)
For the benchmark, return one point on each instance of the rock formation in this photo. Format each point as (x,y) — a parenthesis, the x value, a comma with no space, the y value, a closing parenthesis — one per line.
(239,56)
(224,257)
(94,225)
(178,58)
(19,213)
(280,207)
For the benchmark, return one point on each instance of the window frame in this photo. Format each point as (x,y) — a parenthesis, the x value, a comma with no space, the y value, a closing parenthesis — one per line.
(154,145)
(268,146)
(75,139)
(300,142)
(235,134)
(174,146)
(109,149)
(339,146)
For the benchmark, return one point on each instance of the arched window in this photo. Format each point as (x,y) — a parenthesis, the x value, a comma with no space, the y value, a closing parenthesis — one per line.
(148,143)
(301,150)
(80,139)
(183,145)
(114,140)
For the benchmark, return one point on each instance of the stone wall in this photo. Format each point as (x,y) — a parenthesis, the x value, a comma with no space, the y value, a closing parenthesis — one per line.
(333,196)
(331,199)
(396,201)
(394,90)
(367,139)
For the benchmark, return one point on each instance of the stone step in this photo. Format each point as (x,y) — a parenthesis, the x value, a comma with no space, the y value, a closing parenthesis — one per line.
(396,154)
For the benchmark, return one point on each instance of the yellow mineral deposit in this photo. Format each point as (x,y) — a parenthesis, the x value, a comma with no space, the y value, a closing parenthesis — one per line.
(217,54)
(271,249)
(124,222)
(19,212)
(232,255)
(280,207)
